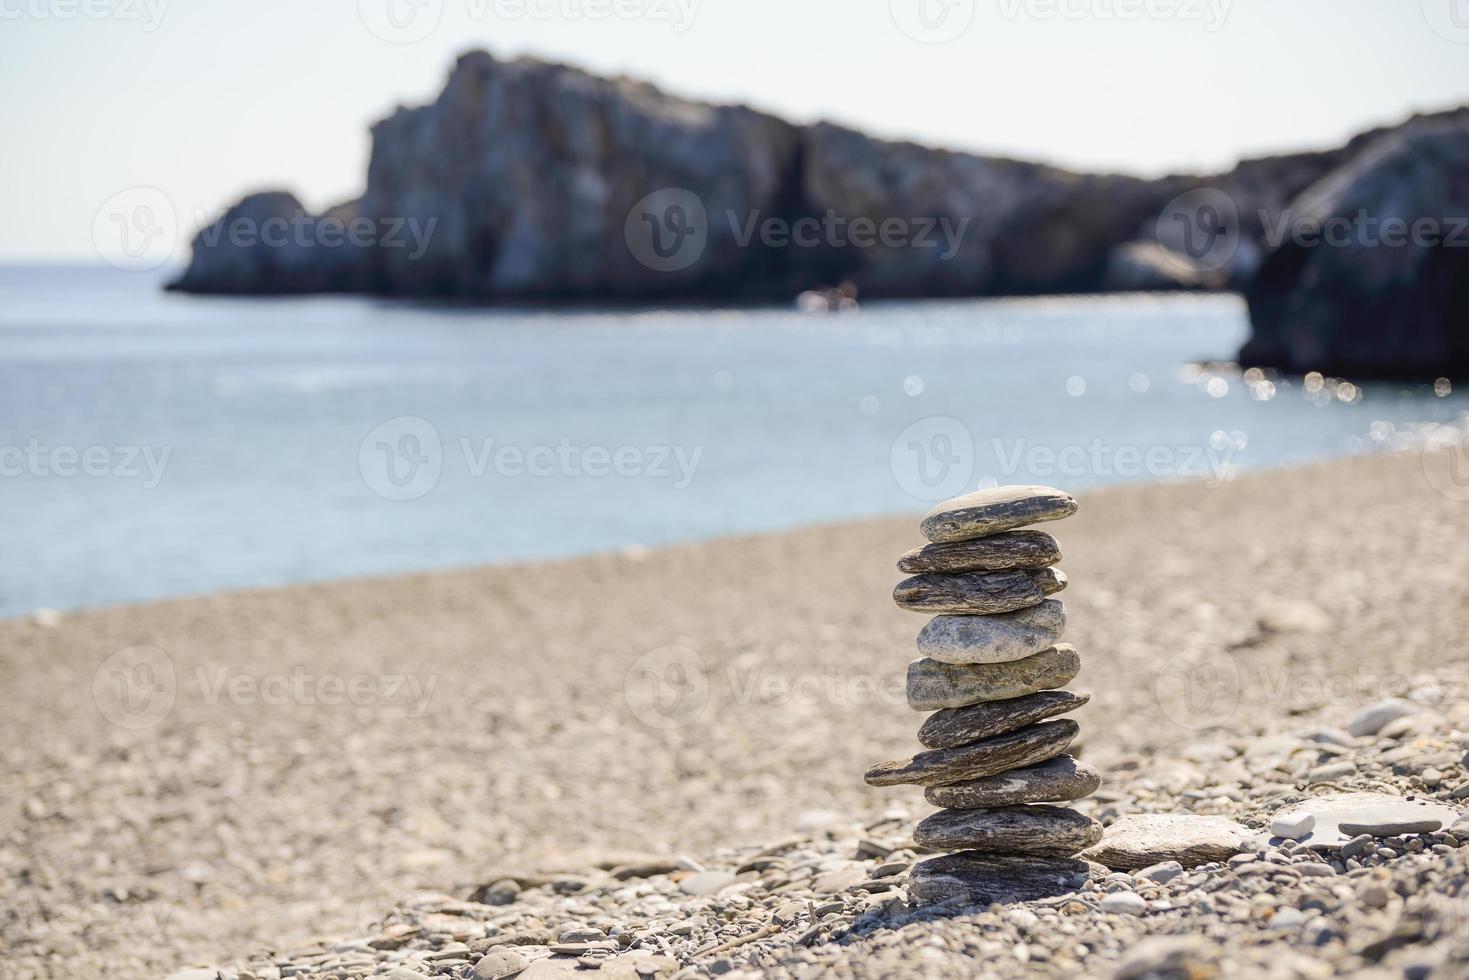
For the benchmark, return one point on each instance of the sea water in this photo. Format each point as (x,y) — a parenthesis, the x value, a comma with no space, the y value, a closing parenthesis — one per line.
(153,444)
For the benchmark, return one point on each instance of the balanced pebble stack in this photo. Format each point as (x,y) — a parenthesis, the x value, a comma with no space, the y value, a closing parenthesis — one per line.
(991,671)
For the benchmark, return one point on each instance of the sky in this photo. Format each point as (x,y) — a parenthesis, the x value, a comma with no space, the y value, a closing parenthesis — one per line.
(205,100)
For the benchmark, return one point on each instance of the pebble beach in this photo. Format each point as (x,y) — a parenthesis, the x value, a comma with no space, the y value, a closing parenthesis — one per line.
(651,763)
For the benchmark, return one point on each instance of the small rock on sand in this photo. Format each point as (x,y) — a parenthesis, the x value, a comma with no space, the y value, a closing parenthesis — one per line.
(1140,840)
(1336,818)
(1293,826)
(498,965)
(1124,903)
(706,882)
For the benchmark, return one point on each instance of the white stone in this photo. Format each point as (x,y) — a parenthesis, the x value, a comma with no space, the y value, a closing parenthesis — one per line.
(1124,903)
(1293,826)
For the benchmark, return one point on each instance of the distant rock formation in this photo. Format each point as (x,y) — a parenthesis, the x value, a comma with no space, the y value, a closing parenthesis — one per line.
(529,181)
(1371,275)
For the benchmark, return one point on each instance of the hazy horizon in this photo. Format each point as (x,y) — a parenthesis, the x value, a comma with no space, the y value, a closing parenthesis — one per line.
(135,93)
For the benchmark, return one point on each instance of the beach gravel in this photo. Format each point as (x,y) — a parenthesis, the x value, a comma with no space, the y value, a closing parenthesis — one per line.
(400,778)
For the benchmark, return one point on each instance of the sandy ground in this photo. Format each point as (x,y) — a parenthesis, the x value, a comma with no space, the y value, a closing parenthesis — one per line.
(178,787)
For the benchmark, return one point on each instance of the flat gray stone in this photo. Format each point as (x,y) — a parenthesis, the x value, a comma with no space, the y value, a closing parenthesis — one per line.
(932,685)
(984,879)
(985,512)
(1373,718)
(1011,549)
(1338,817)
(1056,780)
(939,767)
(1041,830)
(993,639)
(960,726)
(1145,839)
(978,593)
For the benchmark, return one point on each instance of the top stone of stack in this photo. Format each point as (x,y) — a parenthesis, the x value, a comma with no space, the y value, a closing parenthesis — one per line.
(986,512)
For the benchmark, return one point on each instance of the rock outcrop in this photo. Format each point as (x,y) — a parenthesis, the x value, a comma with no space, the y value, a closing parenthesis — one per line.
(1371,275)
(532,172)
(526,180)
(268,243)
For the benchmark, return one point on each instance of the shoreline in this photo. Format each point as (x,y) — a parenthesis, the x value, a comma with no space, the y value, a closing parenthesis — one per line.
(522,716)
(638,552)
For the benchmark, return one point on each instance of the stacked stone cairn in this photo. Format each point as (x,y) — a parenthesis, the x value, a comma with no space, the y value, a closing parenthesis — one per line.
(991,671)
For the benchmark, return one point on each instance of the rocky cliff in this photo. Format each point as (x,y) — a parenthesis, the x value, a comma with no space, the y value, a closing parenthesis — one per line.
(526,180)
(1370,275)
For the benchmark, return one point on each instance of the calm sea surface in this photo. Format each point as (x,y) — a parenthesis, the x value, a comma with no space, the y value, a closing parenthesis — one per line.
(155,445)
